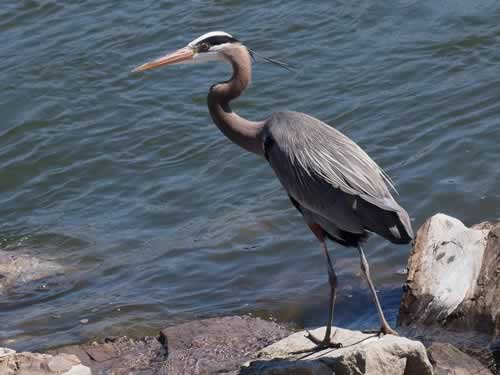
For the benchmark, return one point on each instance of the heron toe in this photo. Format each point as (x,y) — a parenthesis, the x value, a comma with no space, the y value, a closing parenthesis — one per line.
(385,329)
(326,343)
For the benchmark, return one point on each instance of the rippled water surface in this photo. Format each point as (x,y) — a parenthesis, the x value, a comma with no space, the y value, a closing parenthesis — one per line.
(157,218)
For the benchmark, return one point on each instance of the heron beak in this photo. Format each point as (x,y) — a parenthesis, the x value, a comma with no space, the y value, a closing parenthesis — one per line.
(181,55)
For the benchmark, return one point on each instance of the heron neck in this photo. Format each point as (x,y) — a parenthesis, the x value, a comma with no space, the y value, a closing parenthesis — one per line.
(243,132)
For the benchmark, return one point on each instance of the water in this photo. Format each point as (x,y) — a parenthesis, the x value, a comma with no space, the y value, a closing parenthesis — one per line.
(158,219)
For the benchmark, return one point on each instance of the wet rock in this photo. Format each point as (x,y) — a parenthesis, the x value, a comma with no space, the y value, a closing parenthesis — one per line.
(200,347)
(217,345)
(121,355)
(12,363)
(361,354)
(17,268)
(448,360)
(454,276)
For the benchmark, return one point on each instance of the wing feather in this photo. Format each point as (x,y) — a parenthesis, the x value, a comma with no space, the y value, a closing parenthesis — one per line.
(328,174)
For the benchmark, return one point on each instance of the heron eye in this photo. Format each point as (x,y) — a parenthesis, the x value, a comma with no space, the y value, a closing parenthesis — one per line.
(204,47)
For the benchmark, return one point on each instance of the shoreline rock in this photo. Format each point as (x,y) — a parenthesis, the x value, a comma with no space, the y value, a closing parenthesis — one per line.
(454,276)
(13,363)
(447,359)
(452,291)
(449,313)
(250,346)
(444,246)
(215,345)
(361,354)
(119,355)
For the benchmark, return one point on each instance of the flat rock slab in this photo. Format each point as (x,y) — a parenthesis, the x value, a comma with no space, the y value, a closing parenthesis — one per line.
(448,360)
(217,345)
(209,346)
(361,354)
(118,356)
(12,363)
(454,276)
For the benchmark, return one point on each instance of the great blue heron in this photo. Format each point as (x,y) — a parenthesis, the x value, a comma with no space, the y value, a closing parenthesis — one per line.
(339,190)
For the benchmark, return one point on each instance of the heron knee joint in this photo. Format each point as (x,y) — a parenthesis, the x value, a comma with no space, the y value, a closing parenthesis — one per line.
(332,278)
(364,266)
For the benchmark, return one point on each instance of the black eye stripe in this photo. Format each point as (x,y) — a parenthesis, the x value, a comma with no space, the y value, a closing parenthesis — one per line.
(216,40)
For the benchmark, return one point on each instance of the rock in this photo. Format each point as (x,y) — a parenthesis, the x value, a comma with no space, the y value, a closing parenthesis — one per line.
(6,351)
(121,355)
(495,354)
(454,276)
(452,293)
(12,363)
(217,345)
(17,268)
(481,310)
(200,347)
(475,344)
(362,354)
(448,360)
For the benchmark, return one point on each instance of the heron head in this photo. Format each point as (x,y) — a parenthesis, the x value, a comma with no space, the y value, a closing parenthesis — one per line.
(208,47)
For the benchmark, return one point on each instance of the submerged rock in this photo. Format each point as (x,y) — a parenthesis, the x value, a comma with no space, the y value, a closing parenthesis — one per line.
(454,276)
(17,268)
(361,353)
(12,363)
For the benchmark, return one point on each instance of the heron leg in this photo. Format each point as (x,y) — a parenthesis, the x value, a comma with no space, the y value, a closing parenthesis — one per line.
(326,342)
(385,328)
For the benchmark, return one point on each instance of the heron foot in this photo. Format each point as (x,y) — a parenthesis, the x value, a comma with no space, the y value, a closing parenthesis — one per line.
(385,329)
(326,343)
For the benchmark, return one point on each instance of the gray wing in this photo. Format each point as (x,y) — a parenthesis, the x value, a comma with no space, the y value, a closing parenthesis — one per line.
(331,178)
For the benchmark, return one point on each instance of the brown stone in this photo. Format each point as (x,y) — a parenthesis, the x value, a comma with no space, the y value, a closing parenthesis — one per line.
(448,360)
(102,353)
(218,345)
(119,356)
(198,347)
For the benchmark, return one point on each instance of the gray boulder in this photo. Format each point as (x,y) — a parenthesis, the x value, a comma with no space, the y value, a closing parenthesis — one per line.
(361,353)
(454,276)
